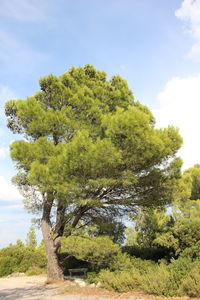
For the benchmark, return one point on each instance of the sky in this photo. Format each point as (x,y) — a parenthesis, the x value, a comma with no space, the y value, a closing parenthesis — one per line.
(153,44)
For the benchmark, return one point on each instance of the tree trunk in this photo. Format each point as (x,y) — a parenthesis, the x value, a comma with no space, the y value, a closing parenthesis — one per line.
(54,270)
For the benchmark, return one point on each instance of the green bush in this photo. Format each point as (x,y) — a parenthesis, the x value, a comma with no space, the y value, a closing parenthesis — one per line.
(142,265)
(178,269)
(35,271)
(122,261)
(191,284)
(31,258)
(121,281)
(23,258)
(7,265)
(156,280)
(92,277)
(192,252)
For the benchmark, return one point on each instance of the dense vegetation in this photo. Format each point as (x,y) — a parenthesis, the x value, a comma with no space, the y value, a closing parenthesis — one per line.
(160,253)
(23,257)
(91,159)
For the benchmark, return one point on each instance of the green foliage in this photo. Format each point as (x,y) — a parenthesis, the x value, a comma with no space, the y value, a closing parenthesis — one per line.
(148,223)
(187,232)
(192,252)
(177,234)
(92,277)
(21,258)
(100,251)
(122,281)
(122,261)
(191,284)
(194,173)
(178,269)
(156,281)
(150,253)
(175,279)
(31,240)
(142,265)
(108,226)
(168,280)
(7,265)
(35,271)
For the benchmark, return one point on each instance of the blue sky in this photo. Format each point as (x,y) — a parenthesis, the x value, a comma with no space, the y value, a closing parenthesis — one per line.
(153,44)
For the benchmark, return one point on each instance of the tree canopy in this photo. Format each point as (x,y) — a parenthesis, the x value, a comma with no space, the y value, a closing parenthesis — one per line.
(89,150)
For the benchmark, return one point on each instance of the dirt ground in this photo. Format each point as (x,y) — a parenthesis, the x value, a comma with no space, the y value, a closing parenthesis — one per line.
(35,288)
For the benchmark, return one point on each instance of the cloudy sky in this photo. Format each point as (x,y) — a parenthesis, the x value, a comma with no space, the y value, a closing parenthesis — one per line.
(153,44)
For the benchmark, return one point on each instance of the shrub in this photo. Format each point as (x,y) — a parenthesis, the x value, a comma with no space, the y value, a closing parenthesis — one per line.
(92,277)
(191,284)
(142,265)
(122,261)
(24,257)
(7,265)
(121,281)
(35,271)
(192,252)
(178,269)
(32,258)
(156,280)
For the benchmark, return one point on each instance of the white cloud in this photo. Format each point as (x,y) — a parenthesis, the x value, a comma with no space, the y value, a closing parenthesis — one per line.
(8,193)
(22,10)
(190,12)
(179,105)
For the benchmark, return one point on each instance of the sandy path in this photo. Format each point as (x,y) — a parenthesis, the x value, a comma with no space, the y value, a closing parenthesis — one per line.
(14,288)
(33,288)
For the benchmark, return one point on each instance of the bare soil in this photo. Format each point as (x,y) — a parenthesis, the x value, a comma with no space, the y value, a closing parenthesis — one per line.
(36,288)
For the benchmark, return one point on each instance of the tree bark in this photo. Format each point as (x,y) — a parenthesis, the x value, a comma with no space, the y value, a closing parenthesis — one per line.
(54,270)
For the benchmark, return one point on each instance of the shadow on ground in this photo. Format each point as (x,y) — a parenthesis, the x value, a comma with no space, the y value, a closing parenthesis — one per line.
(29,293)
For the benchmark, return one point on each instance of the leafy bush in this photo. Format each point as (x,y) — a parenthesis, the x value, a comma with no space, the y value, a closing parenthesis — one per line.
(178,269)
(32,258)
(142,265)
(92,277)
(122,281)
(122,261)
(188,233)
(191,284)
(7,265)
(21,258)
(156,280)
(192,252)
(35,271)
